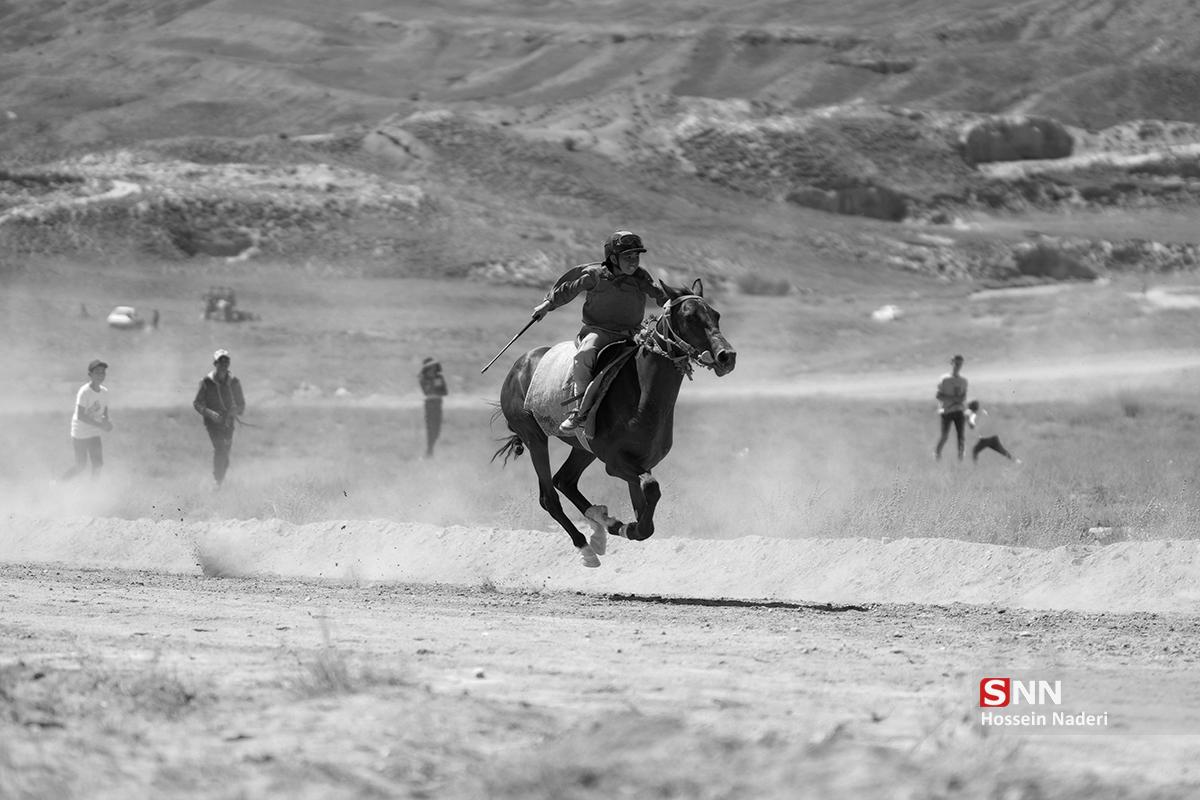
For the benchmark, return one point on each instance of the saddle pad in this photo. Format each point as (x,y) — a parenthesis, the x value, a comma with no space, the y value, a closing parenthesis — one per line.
(551,389)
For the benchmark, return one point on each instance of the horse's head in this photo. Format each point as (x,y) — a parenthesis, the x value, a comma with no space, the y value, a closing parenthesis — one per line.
(694,328)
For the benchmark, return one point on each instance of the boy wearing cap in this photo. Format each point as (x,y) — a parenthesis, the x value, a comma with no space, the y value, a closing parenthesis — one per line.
(220,402)
(613,308)
(433,385)
(89,421)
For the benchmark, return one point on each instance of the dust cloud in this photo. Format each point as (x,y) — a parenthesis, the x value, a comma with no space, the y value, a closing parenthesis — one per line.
(1142,576)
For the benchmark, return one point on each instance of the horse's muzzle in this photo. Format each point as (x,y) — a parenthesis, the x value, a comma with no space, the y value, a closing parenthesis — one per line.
(724,359)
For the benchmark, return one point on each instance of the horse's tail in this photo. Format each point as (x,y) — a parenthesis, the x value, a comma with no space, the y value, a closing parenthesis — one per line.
(512,447)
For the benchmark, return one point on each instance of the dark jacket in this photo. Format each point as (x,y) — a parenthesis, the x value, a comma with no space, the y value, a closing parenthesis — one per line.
(614,302)
(222,397)
(433,384)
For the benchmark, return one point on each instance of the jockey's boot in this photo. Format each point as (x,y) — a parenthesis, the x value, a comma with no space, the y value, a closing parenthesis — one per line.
(573,422)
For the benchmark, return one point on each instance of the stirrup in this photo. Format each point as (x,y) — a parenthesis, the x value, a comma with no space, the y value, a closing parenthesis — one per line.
(572,423)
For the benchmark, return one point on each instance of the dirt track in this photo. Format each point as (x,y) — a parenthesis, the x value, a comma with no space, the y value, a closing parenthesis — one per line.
(116,682)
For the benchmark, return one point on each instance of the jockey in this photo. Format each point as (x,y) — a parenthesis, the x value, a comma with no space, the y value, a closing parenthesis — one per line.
(617,288)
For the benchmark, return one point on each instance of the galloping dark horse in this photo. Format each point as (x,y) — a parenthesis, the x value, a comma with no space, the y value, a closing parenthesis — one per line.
(632,422)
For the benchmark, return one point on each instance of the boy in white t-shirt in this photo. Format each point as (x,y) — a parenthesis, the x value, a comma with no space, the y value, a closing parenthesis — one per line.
(981,422)
(89,421)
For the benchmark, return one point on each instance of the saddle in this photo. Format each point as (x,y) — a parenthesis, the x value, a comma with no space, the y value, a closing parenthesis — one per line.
(551,394)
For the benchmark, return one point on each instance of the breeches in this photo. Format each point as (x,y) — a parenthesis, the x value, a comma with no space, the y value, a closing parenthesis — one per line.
(587,346)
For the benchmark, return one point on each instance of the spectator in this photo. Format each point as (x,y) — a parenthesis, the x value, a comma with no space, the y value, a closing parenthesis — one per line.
(952,397)
(982,423)
(433,385)
(90,421)
(220,402)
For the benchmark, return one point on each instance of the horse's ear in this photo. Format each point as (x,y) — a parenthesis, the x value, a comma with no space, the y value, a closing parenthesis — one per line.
(697,288)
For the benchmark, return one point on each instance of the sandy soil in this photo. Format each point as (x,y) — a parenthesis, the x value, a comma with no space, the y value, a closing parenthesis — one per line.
(1159,576)
(117,683)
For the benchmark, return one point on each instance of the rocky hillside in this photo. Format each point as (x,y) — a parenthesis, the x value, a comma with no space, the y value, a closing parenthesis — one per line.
(497,139)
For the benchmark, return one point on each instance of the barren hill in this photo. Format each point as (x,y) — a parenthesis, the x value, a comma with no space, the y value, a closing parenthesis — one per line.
(514,120)
(127,70)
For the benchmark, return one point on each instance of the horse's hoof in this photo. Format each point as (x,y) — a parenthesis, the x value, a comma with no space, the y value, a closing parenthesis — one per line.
(599,519)
(597,513)
(589,556)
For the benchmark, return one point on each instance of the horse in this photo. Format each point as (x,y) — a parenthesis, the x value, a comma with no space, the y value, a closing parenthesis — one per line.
(632,422)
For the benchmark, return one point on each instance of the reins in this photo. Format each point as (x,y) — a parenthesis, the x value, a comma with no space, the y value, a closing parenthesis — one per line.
(668,343)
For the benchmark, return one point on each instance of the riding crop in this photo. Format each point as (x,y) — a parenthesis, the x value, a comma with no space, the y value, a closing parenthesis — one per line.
(510,343)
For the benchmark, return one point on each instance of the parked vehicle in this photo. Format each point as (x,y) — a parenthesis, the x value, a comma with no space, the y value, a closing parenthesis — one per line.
(128,318)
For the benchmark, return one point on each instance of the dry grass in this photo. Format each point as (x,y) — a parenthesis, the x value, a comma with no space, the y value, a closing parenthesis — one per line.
(48,697)
(865,470)
(633,754)
(330,671)
(847,469)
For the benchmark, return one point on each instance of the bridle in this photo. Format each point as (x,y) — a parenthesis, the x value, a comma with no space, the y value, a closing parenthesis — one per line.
(658,336)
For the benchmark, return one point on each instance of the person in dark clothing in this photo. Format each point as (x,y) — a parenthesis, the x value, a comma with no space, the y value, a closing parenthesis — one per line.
(433,385)
(220,402)
(951,396)
(617,289)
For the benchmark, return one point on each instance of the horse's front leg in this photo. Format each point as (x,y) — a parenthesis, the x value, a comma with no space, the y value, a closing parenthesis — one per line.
(644,493)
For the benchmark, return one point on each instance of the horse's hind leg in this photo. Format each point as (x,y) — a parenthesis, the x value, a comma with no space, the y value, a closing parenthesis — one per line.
(539,454)
(566,480)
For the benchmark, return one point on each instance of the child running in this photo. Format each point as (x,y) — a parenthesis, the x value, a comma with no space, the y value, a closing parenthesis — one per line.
(980,421)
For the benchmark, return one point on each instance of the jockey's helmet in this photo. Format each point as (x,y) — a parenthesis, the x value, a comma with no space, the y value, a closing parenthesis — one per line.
(622,242)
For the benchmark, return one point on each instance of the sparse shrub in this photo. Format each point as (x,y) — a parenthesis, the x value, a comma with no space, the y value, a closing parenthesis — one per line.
(570,144)
(756,38)
(38,180)
(329,672)
(1150,129)
(1044,260)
